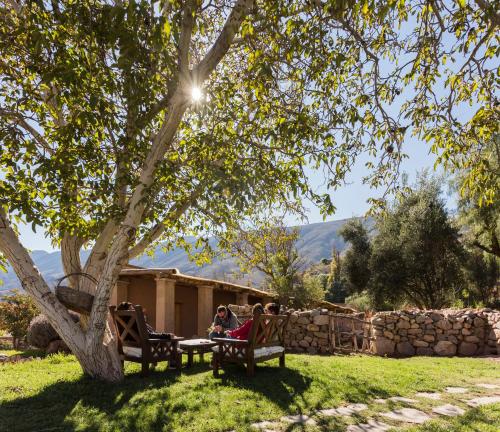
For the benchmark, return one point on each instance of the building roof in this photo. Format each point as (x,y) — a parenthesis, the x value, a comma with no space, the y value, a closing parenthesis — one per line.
(175,274)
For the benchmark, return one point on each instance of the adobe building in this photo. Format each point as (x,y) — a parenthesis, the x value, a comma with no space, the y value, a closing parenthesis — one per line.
(178,303)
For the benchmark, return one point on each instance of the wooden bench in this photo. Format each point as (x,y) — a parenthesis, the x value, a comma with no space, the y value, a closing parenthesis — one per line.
(266,341)
(136,345)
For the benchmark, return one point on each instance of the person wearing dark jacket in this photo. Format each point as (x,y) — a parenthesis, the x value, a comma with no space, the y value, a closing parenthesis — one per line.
(224,320)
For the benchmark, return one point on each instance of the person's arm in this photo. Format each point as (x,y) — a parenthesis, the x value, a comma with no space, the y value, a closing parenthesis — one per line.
(241,332)
(233,322)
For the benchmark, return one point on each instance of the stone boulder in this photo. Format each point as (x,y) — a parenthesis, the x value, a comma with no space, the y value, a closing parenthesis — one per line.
(405,349)
(445,349)
(467,349)
(383,346)
(41,333)
(320,320)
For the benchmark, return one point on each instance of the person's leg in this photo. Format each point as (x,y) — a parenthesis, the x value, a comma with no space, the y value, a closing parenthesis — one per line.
(216,335)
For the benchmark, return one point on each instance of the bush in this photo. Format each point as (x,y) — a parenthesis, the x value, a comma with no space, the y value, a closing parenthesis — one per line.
(41,333)
(16,312)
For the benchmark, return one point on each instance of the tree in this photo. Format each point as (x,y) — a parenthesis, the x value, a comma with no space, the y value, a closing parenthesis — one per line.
(416,254)
(482,275)
(270,248)
(355,264)
(336,283)
(479,203)
(127,123)
(16,312)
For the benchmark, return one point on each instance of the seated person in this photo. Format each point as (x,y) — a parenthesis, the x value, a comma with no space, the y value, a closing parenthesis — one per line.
(272,309)
(224,320)
(242,331)
(152,334)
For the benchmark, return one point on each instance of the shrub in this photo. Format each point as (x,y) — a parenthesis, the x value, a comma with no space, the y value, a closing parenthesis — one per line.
(16,312)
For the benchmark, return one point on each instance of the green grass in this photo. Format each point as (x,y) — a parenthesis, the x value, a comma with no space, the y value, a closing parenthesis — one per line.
(52,394)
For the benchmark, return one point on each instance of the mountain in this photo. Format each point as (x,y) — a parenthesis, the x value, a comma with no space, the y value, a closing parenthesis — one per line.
(315,242)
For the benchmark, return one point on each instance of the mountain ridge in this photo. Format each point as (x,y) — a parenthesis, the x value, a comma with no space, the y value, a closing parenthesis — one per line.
(315,242)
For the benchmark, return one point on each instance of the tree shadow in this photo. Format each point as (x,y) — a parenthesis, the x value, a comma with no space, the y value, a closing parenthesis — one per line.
(55,404)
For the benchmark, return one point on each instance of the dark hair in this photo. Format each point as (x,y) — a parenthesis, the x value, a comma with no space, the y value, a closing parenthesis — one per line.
(124,306)
(257,307)
(273,308)
(221,308)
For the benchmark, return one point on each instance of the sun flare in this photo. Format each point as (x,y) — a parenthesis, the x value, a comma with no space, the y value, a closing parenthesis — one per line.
(196,94)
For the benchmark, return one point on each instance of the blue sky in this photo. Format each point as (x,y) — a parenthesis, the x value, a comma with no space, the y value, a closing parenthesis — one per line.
(350,200)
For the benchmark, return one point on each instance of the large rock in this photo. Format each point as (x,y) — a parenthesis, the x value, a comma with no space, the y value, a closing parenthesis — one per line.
(425,351)
(420,343)
(383,346)
(445,349)
(41,333)
(467,349)
(403,324)
(405,349)
(312,327)
(320,320)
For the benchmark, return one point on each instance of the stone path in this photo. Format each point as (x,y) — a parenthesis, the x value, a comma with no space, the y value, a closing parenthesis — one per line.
(265,426)
(402,399)
(403,415)
(486,400)
(371,426)
(456,390)
(407,415)
(345,410)
(429,395)
(448,410)
(300,419)
(488,386)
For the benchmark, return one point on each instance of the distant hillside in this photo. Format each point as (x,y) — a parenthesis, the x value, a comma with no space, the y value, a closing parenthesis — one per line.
(315,242)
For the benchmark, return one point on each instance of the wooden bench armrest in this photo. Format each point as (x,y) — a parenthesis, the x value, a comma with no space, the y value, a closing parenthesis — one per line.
(230,341)
(174,339)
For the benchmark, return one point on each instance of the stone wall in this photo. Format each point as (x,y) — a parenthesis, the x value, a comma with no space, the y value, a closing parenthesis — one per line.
(450,332)
(308,331)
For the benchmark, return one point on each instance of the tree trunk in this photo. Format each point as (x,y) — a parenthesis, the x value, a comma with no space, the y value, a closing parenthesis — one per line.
(98,359)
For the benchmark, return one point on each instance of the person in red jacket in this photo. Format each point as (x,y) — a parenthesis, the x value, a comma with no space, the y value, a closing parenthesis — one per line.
(243,330)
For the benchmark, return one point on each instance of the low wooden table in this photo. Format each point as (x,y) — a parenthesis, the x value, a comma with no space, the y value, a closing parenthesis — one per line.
(200,346)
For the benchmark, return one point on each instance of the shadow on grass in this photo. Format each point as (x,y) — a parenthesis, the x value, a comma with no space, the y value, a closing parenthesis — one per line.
(166,400)
(87,404)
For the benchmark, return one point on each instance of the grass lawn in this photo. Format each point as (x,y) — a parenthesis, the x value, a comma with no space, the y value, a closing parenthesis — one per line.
(52,394)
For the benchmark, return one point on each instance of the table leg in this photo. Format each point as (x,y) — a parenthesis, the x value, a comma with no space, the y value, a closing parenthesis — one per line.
(190,358)
(201,356)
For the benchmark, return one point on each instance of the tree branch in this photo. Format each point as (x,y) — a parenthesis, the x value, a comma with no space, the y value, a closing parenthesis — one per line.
(490,12)
(188,18)
(175,212)
(70,255)
(224,41)
(21,121)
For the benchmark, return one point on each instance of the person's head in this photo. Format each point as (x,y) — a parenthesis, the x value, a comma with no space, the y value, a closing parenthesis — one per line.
(257,308)
(222,311)
(272,308)
(124,306)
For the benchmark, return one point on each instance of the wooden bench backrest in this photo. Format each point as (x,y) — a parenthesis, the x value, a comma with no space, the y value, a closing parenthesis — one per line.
(268,330)
(130,326)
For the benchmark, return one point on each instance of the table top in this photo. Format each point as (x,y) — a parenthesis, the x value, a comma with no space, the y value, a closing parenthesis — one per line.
(197,342)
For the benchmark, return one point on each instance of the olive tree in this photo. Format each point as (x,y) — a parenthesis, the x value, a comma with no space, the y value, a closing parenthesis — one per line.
(125,123)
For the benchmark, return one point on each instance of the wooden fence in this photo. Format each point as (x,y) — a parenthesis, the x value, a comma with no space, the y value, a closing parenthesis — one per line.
(350,333)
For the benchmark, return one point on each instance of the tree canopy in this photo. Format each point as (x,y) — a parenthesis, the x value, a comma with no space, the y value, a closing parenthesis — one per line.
(125,123)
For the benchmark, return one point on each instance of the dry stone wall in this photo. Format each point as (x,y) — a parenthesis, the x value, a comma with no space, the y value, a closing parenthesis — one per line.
(450,332)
